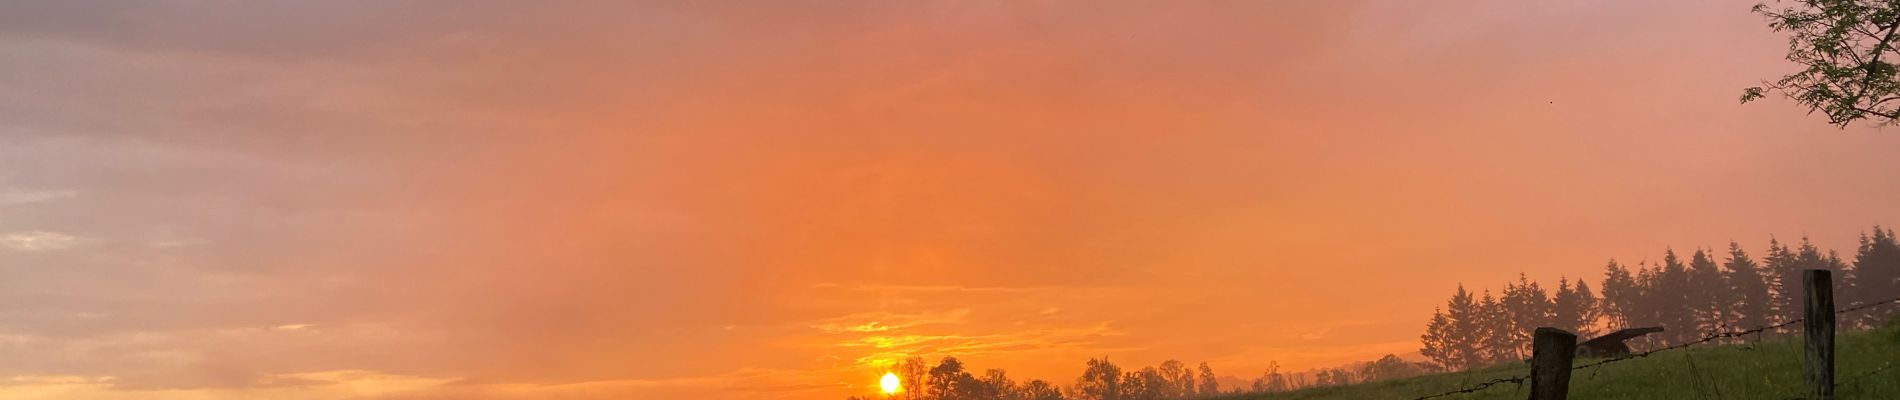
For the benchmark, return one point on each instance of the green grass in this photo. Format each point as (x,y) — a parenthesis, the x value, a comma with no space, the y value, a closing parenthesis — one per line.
(1770,369)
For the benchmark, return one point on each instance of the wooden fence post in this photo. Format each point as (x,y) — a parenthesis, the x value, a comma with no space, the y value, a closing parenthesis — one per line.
(1818,332)
(1551,352)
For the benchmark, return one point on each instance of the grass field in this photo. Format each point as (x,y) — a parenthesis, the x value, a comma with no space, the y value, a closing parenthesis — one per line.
(1770,369)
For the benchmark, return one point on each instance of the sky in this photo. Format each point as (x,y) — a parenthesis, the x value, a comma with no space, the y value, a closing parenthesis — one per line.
(775,200)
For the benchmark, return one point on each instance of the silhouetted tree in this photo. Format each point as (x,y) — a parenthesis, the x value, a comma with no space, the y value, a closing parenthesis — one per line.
(1621,296)
(1145,384)
(1811,257)
(948,381)
(1100,381)
(995,384)
(1465,337)
(1785,271)
(1177,380)
(1709,294)
(1671,293)
(1436,344)
(1391,367)
(911,374)
(1751,300)
(1333,377)
(1574,308)
(1495,336)
(1876,274)
(1526,306)
(1648,308)
(1273,380)
(1038,390)
(1845,48)
(1210,385)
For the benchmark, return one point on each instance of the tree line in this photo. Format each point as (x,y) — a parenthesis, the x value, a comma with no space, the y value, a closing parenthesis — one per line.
(1690,299)
(1101,379)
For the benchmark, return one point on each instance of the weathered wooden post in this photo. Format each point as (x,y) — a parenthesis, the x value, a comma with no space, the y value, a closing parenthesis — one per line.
(1551,352)
(1818,330)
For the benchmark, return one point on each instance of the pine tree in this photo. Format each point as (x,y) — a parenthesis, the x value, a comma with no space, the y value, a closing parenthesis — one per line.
(1437,345)
(1464,339)
(1590,307)
(1496,337)
(1671,294)
(1751,302)
(1785,273)
(1876,274)
(1709,296)
(1621,296)
(1525,306)
(1575,308)
(1648,310)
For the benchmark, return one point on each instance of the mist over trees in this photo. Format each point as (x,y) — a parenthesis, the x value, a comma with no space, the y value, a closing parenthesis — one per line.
(1708,292)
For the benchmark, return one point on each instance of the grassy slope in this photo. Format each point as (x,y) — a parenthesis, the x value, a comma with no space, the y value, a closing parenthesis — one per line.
(1766,370)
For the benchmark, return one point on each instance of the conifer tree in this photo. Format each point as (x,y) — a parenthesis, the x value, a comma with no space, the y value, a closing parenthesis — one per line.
(1621,296)
(1876,274)
(1525,306)
(1709,294)
(1785,272)
(1464,338)
(1496,337)
(1575,308)
(1671,295)
(1590,307)
(1751,302)
(1437,345)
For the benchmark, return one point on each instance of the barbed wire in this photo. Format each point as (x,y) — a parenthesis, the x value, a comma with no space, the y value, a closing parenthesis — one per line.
(1729,334)
(1519,379)
(1865,375)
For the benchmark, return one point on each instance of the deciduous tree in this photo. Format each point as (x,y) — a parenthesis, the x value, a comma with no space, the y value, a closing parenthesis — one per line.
(1845,49)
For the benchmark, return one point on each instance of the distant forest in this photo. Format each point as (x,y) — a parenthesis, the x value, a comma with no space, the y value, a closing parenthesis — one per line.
(1690,299)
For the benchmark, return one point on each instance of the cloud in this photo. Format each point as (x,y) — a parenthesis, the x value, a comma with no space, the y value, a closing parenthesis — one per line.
(38,241)
(14,197)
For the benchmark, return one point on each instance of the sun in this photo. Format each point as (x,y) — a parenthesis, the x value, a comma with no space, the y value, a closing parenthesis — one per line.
(890,383)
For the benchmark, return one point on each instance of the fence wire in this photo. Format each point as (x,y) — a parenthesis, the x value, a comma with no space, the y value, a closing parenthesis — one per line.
(1520,379)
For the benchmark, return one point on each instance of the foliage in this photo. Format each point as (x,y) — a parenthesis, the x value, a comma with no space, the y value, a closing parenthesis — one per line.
(1749,288)
(1843,49)
(1876,273)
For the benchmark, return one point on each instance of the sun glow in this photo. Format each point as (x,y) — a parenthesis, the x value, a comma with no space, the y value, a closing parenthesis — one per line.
(890,383)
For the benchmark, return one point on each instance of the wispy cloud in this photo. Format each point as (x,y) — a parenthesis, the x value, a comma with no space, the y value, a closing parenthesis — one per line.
(32,241)
(13,197)
(881,321)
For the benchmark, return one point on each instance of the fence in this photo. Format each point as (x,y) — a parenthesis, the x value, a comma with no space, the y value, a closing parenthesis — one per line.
(1552,349)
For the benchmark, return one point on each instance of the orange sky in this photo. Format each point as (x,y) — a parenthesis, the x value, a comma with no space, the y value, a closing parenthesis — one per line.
(497,200)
